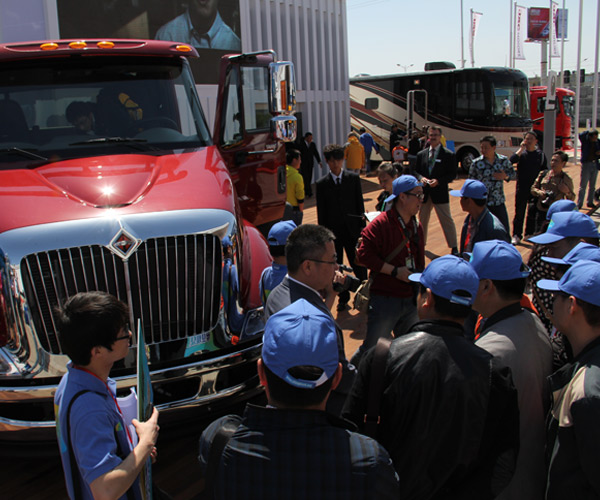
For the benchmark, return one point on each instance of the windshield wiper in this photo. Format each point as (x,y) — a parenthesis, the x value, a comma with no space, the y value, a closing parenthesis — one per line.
(25,153)
(139,144)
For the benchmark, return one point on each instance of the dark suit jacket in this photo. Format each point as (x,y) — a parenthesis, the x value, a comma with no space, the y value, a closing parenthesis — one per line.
(340,208)
(444,171)
(309,154)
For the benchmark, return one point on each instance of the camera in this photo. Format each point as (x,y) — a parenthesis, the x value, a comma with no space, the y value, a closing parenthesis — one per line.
(548,200)
(350,283)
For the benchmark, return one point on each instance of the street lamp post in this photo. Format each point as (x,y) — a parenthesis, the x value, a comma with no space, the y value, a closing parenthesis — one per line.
(405,66)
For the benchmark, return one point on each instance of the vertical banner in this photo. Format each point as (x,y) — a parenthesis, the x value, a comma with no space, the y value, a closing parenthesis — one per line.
(145,397)
(554,50)
(520,32)
(475,16)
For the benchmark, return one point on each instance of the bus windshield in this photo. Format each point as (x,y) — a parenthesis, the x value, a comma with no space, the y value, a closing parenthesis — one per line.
(510,99)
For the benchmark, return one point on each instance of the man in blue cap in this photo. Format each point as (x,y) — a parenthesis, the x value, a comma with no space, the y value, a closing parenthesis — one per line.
(573,431)
(273,275)
(448,414)
(292,448)
(517,338)
(480,224)
(392,247)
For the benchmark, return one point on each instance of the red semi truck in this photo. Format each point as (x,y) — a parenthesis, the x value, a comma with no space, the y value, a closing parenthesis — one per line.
(111,180)
(565,104)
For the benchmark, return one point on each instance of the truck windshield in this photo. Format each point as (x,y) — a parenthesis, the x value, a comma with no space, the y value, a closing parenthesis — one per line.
(59,108)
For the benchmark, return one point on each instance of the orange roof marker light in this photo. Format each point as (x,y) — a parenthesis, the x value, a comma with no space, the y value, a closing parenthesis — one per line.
(183,48)
(78,45)
(49,46)
(106,44)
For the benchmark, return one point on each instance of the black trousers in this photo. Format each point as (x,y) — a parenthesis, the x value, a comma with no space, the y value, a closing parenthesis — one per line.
(500,212)
(307,172)
(524,203)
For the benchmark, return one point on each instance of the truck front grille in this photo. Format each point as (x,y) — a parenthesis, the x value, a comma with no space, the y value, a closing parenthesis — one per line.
(173,284)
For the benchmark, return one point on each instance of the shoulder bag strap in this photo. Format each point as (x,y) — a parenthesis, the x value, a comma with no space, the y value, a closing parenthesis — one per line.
(378,365)
(217,447)
(74,467)
(395,252)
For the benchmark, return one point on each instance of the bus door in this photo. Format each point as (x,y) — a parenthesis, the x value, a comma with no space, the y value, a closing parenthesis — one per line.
(416,110)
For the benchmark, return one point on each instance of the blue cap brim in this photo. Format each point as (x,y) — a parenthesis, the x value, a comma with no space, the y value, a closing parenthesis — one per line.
(551,285)
(554,260)
(456,192)
(416,277)
(545,238)
(390,198)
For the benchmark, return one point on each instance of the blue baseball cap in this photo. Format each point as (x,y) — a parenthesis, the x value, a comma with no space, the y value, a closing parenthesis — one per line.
(279,232)
(560,206)
(300,335)
(471,189)
(582,280)
(402,184)
(446,275)
(581,251)
(497,260)
(567,224)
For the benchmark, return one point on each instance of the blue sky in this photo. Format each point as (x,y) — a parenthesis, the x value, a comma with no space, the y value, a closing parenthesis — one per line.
(384,33)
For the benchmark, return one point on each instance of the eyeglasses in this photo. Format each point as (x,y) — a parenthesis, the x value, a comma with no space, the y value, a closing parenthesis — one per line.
(126,336)
(420,196)
(334,263)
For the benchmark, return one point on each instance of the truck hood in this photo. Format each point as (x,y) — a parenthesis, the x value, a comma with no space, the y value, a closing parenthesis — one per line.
(114,184)
(106,181)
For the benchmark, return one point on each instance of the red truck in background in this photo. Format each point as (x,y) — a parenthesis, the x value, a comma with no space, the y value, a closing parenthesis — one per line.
(110,180)
(565,105)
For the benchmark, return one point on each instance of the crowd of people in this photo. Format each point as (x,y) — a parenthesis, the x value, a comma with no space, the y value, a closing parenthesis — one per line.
(479,374)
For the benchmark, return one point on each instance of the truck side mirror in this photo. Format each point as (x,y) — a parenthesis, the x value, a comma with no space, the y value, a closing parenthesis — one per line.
(283,88)
(284,128)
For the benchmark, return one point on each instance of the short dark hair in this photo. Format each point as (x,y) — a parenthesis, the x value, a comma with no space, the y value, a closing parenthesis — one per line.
(77,109)
(532,133)
(510,289)
(292,154)
(333,151)
(444,307)
(389,168)
(489,138)
(290,396)
(572,241)
(277,250)
(480,202)
(435,127)
(591,312)
(593,132)
(563,156)
(307,134)
(306,242)
(362,130)
(88,320)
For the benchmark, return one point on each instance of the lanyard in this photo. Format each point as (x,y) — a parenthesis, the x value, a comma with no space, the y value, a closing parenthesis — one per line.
(112,396)
(403,226)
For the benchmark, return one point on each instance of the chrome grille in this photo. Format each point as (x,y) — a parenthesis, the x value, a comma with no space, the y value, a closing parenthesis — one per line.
(174,285)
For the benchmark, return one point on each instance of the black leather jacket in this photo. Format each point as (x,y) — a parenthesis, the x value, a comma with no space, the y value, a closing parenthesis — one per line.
(449,414)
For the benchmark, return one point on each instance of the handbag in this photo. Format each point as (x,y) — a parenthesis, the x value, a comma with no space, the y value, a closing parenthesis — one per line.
(363,293)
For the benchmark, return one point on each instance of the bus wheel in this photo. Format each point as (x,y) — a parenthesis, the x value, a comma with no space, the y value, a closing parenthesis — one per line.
(466,157)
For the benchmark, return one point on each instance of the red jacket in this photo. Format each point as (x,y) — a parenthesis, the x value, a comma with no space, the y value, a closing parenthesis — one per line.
(379,239)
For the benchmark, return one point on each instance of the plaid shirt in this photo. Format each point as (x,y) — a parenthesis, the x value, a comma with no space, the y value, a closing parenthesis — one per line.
(298,454)
(483,171)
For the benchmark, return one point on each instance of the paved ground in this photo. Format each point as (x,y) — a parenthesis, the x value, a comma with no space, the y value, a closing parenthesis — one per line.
(42,479)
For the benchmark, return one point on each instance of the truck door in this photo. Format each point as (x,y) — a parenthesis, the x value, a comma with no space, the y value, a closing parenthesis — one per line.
(253,119)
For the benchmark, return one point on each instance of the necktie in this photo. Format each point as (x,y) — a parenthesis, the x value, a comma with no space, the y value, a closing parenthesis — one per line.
(431,159)
(338,181)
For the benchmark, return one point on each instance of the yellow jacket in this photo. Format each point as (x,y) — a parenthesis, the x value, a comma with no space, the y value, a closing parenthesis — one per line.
(354,154)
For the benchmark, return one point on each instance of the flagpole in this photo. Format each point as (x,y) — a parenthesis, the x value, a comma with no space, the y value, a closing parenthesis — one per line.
(562,45)
(550,34)
(462,36)
(595,104)
(511,36)
(578,91)
(514,48)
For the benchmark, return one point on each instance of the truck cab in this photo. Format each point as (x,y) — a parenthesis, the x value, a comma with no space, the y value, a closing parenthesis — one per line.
(111,180)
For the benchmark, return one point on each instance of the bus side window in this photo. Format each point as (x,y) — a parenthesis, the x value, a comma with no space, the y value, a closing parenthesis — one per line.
(372,103)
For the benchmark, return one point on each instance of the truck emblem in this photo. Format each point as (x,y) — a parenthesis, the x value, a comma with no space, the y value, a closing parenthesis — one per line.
(124,244)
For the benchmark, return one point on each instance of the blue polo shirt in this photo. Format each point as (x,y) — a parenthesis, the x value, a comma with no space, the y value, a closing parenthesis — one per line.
(95,423)
(270,278)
